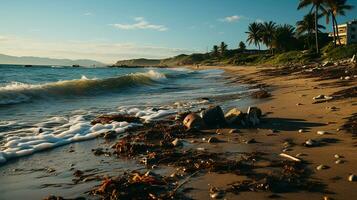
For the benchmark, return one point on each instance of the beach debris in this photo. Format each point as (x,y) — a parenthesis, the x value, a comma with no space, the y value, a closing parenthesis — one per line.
(233,131)
(136,185)
(213,140)
(216,193)
(213,116)
(250,141)
(299,104)
(322,97)
(234,116)
(353,59)
(310,143)
(107,119)
(327,63)
(52,197)
(339,161)
(352,178)
(321,132)
(284,155)
(301,131)
(261,94)
(110,135)
(321,167)
(193,121)
(337,156)
(176,142)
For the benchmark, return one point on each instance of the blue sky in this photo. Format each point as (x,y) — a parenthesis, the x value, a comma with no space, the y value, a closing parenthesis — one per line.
(108,30)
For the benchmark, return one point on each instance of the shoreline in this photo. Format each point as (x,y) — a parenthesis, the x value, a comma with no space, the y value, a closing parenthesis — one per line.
(290,108)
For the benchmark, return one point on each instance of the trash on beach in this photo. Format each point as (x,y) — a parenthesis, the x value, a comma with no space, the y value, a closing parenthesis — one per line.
(284,155)
(322,97)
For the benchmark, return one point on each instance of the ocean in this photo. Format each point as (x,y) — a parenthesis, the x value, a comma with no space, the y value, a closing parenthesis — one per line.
(43,107)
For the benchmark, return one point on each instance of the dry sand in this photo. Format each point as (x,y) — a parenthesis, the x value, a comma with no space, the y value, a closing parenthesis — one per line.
(289,109)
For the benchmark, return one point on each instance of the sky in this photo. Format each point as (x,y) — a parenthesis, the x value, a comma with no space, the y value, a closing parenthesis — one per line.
(111,30)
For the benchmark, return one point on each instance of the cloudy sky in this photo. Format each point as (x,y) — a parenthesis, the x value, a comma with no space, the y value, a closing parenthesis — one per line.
(109,30)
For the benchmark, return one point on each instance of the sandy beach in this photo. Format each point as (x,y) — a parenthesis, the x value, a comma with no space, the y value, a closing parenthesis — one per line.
(291,108)
(241,162)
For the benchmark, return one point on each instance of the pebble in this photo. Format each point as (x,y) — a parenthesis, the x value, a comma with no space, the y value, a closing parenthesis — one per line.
(176,142)
(250,141)
(299,104)
(301,130)
(310,143)
(321,132)
(337,156)
(352,178)
(213,140)
(233,131)
(338,161)
(321,167)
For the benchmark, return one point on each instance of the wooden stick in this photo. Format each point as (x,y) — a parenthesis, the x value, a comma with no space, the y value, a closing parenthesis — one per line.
(290,157)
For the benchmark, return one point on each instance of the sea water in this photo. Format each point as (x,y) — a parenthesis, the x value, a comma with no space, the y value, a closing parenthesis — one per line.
(43,107)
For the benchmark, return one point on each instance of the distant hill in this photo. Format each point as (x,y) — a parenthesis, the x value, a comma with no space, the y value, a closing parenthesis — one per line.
(141,62)
(29,60)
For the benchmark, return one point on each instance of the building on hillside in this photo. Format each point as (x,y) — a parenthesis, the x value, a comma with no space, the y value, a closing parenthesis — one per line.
(347,32)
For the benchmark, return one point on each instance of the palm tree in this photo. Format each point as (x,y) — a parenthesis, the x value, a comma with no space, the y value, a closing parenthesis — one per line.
(254,34)
(215,50)
(334,8)
(317,5)
(223,48)
(284,37)
(241,46)
(267,33)
(307,25)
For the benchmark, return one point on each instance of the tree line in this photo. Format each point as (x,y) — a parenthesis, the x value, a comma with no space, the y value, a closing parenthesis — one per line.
(285,37)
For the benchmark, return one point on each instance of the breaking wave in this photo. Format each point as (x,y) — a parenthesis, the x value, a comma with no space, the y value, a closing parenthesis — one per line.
(17,92)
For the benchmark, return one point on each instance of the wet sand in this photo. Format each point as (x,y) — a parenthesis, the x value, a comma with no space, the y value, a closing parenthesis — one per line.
(290,108)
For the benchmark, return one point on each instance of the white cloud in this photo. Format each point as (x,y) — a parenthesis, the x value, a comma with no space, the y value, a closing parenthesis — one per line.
(140,23)
(232,18)
(101,50)
(88,14)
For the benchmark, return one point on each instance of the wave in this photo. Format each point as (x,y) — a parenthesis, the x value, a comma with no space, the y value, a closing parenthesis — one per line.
(17,92)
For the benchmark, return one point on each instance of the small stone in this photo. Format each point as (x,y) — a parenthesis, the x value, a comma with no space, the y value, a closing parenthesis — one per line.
(233,131)
(299,104)
(201,149)
(250,141)
(213,140)
(338,161)
(352,178)
(176,142)
(321,167)
(347,77)
(219,132)
(321,132)
(274,131)
(337,156)
(310,143)
(327,198)
(301,131)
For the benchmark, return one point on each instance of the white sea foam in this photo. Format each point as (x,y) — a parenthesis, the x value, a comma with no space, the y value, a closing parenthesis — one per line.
(58,131)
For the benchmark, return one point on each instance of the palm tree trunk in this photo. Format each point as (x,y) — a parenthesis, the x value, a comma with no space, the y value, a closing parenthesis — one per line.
(334,31)
(336,25)
(316,29)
